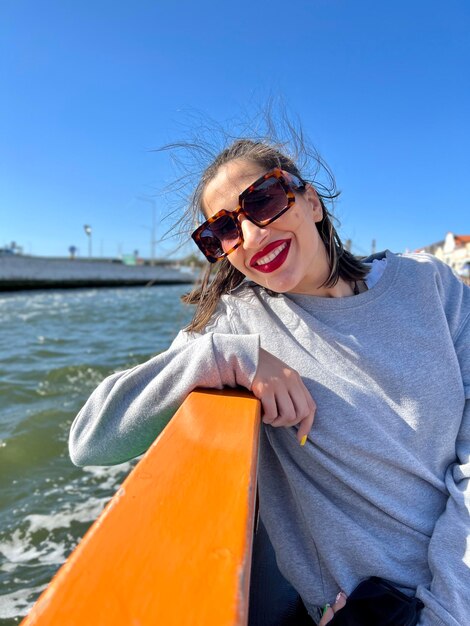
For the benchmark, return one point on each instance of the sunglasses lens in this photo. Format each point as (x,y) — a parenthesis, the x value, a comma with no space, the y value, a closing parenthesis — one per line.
(266,201)
(219,236)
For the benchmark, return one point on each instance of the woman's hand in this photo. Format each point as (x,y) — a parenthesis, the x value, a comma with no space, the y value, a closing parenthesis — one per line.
(285,399)
(330,611)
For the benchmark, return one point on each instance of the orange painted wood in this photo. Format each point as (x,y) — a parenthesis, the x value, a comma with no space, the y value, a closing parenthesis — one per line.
(173,546)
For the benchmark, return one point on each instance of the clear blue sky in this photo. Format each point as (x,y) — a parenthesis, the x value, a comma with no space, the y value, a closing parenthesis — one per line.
(89,88)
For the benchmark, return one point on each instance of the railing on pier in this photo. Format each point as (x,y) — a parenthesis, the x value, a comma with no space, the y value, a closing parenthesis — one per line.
(173,546)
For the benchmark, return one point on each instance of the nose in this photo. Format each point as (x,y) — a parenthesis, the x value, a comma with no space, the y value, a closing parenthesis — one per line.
(253,236)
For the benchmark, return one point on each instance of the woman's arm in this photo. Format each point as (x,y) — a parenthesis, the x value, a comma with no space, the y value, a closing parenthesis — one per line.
(447,601)
(129,409)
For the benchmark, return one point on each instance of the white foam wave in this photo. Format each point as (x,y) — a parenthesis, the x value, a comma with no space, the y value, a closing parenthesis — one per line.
(19,549)
(109,477)
(18,603)
(83,512)
(16,550)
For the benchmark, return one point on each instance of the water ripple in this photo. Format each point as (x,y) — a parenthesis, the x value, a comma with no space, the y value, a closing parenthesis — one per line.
(55,347)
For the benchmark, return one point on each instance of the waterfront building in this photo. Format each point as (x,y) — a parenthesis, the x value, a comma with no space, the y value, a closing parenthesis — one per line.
(453,250)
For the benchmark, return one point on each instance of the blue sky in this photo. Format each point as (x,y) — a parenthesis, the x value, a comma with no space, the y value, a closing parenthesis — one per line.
(89,89)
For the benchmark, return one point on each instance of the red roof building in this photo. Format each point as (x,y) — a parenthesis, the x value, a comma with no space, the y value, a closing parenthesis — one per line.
(453,250)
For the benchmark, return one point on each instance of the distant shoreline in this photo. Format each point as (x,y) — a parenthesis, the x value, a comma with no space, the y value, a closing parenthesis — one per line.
(20,273)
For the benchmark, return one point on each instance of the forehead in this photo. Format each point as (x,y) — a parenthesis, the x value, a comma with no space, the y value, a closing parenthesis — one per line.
(231,179)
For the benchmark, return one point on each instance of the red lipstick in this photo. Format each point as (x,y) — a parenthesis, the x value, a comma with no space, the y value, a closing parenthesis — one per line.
(275,263)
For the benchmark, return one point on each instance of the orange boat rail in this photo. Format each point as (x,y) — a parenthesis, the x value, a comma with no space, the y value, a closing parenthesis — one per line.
(173,546)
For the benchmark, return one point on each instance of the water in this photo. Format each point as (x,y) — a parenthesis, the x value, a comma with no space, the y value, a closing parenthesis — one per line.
(55,347)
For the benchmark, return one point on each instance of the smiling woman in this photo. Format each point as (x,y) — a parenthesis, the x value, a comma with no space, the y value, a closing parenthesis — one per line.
(340,351)
(265,202)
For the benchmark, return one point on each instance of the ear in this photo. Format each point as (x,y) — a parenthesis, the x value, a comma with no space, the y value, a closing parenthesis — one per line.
(314,201)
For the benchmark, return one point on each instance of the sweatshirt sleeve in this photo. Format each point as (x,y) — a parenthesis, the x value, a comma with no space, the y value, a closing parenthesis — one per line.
(129,409)
(447,600)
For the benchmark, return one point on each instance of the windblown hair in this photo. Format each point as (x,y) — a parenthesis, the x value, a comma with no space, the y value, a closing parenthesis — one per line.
(342,263)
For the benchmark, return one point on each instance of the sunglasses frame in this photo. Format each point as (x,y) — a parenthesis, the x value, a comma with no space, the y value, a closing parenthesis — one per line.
(289,182)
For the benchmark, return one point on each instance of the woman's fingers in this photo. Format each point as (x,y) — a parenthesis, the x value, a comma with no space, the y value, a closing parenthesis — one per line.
(268,402)
(329,611)
(305,427)
(305,408)
(287,414)
(327,616)
(285,399)
(340,601)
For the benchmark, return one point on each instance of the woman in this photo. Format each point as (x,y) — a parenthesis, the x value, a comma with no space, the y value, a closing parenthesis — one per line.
(366,365)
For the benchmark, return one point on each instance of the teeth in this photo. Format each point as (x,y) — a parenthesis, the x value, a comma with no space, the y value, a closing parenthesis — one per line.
(272,255)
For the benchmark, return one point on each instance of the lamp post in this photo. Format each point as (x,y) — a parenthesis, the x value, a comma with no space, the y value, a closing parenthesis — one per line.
(152,229)
(87,229)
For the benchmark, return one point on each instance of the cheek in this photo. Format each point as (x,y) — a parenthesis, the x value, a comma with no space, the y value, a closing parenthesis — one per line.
(297,213)
(297,216)
(236,258)
(287,223)
(306,214)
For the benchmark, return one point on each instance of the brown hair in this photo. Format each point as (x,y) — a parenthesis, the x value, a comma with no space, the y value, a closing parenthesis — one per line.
(342,263)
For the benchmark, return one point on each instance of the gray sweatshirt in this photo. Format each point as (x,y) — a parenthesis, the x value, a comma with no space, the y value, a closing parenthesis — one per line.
(382,485)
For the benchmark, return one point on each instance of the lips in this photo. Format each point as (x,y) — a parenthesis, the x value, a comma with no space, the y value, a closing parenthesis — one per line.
(279,248)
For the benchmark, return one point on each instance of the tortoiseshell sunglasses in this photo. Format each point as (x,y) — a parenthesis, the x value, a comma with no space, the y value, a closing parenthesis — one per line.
(264,201)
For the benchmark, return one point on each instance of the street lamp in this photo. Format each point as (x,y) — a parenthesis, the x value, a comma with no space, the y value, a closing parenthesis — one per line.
(152,230)
(87,229)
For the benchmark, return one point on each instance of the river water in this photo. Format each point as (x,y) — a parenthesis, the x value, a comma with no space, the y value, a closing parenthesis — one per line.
(55,347)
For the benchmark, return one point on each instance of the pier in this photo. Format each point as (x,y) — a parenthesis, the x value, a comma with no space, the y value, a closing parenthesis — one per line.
(20,272)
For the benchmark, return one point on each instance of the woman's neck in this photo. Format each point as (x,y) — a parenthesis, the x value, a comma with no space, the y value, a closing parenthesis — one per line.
(313,285)
(342,289)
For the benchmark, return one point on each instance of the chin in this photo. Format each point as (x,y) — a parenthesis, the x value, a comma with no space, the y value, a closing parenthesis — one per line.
(279,285)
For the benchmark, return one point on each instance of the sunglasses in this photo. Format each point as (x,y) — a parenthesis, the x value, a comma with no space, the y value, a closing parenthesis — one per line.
(264,201)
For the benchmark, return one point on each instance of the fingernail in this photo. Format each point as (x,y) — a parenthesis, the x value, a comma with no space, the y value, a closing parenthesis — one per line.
(303,440)
(339,596)
(325,609)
